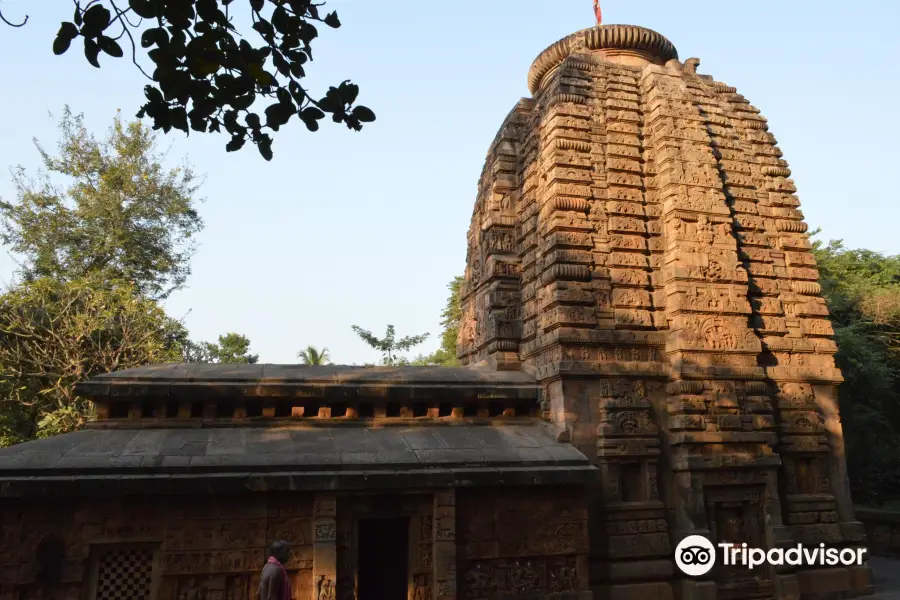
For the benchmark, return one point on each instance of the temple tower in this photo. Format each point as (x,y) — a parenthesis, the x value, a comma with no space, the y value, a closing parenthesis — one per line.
(637,246)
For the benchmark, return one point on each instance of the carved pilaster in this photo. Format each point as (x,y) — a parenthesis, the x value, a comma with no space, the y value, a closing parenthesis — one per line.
(324,547)
(444,555)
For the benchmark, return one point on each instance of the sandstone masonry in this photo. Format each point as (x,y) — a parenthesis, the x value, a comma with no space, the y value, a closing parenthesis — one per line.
(637,245)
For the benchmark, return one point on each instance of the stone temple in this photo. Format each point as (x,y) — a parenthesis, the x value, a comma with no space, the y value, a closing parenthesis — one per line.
(648,356)
(636,245)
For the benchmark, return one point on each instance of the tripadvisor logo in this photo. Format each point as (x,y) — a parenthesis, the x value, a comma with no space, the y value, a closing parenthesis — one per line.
(695,556)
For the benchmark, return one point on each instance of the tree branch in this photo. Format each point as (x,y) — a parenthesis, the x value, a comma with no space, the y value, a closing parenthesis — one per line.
(122,17)
(4,19)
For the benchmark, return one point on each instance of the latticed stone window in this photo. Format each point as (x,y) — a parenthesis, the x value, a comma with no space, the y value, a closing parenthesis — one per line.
(123,573)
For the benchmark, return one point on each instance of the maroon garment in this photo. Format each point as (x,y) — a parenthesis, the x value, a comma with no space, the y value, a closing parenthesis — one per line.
(285,582)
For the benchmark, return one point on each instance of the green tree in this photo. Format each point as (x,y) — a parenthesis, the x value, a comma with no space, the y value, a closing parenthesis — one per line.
(862,289)
(389,345)
(121,215)
(313,356)
(445,356)
(232,348)
(195,352)
(55,333)
(207,75)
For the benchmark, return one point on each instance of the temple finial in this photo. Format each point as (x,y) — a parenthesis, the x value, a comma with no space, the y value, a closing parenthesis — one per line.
(597,12)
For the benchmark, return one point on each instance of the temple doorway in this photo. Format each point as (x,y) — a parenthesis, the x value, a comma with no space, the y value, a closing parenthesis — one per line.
(383,559)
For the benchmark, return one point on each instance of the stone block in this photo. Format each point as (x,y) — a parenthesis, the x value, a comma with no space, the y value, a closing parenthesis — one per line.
(787,587)
(823,583)
(633,571)
(861,580)
(690,589)
(638,591)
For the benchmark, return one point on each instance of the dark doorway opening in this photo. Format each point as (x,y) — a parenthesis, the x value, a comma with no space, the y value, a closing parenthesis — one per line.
(383,559)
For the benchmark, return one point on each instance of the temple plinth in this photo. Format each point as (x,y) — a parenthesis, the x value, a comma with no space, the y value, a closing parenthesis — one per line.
(637,246)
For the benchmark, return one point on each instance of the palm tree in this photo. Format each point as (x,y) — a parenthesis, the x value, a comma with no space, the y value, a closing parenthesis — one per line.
(313,356)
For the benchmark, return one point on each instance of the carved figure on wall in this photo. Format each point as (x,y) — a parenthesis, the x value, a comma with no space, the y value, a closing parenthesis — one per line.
(523,578)
(635,395)
(478,581)
(563,578)
(628,423)
(425,560)
(421,588)
(704,230)
(193,591)
(237,588)
(732,526)
(324,588)
(719,336)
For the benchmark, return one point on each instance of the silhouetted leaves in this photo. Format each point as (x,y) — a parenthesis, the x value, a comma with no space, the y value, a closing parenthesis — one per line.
(110,46)
(332,20)
(67,33)
(364,114)
(96,20)
(91,51)
(205,72)
(236,143)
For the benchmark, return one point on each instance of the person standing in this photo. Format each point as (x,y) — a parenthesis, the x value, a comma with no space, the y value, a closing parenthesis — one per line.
(274,583)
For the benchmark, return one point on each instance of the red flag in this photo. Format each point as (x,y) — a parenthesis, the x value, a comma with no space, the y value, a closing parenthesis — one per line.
(598,12)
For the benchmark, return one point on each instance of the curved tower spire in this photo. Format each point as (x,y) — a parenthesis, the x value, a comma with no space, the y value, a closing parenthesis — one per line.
(637,245)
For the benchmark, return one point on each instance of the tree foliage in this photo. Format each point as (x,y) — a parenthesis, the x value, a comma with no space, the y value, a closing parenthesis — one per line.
(862,289)
(232,348)
(445,356)
(56,333)
(313,356)
(120,215)
(389,345)
(207,75)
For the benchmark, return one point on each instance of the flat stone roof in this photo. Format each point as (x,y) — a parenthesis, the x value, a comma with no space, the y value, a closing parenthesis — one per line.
(319,381)
(219,460)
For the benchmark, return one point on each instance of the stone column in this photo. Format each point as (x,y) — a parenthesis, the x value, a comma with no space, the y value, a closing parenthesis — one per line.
(445,545)
(324,547)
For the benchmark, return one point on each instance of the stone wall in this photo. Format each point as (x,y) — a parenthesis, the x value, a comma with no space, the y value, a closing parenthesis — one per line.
(513,541)
(198,547)
(519,543)
(882,531)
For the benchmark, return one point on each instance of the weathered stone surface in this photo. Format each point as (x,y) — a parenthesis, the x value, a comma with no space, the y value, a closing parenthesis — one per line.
(330,381)
(214,547)
(697,355)
(183,460)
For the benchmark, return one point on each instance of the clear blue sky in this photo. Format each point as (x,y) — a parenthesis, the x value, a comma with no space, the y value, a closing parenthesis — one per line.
(368,228)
